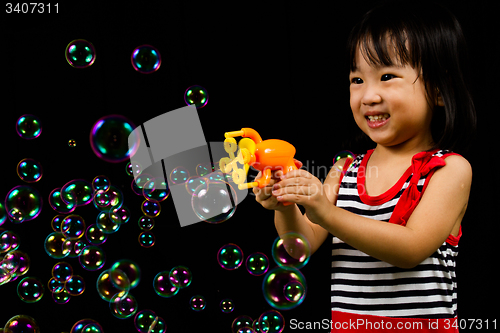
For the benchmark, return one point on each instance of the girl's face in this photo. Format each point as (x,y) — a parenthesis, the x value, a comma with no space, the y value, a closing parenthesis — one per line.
(389,104)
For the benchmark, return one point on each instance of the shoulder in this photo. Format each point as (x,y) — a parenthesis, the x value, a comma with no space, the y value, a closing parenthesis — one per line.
(457,170)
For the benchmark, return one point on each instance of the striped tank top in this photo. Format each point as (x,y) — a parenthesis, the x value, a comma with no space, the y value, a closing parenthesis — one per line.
(363,285)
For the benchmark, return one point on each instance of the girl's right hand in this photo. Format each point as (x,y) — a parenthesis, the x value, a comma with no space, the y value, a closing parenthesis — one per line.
(264,195)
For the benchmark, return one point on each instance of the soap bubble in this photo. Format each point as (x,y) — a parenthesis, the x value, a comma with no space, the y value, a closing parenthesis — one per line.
(21,324)
(57,203)
(213,202)
(93,328)
(274,283)
(146,59)
(197,303)
(145,321)
(101,183)
(28,127)
(78,191)
(61,298)
(30,289)
(257,263)
(111,283)
(179,175)
(120,215)
(92,258)
(147,239)
(81,324)
(180,277)
(340,155)
(146,223)
(196,95)
(3,213)
(272,321)
(151,208)
(294,291)
(162,285)
(29,170)
(54,246)
(123,307)
(72,143)
(95,235)
(15,263)
(75,285)
(106,224)
(194,182)
(9,241)
(23,203)
(130,268)
(62,271)
(73,226)
(241,322)
(291,249)
(230,256)
(80,53)
(109,138)
(227,305)
(156,190)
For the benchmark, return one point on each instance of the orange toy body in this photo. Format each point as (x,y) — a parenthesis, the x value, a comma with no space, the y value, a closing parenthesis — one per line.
(263,155)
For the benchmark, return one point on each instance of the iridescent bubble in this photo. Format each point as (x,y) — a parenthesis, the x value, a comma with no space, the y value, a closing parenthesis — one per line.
(57,203)
(340,155)
(106,224)
(241,322)
(9,241)
(197,303)
(109,138)
(156,190)
(56,222)
(21,324)
(274,283)
(23,200)
(291,249)
(146,223)
(151,208)
(131,166)
(130,268)
(147,239)
(111,283)
(30,289)
(101,183)
(95,235)
(227,305)
(194,182)
(55,286)
(73,226)
(102,200)
(196,95)
(294,291)
(144,321)
(29,170)
(213,202)
(79,325)
(162,285)
(257,263)
(203,169)
(92,258)
(62,271)
(93,328)
(15,263)
(77,191)
(28,127)
(272,321)
(180,276)
(139,182)
(146,59)
(3,213)
(230,256)
(179,175)
(54,245)
(74,246)
(120,215)
(80,53)
(72,143)
(123,307)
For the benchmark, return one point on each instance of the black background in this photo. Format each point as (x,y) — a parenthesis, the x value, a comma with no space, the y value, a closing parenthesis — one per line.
(277,67)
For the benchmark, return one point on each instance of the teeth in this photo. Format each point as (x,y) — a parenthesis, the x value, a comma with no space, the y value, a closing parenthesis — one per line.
(378,117)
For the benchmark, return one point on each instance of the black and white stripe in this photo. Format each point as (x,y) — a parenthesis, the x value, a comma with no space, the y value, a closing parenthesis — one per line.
(361,284)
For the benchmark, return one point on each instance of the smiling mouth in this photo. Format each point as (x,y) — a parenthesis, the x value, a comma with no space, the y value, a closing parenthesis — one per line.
(377,120)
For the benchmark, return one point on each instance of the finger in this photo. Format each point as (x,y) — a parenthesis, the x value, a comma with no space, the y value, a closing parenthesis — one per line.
(297,173)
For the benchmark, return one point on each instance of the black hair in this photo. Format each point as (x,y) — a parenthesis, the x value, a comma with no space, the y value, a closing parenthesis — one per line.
(436,47)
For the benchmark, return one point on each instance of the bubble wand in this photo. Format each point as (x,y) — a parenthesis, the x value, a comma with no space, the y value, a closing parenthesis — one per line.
(263,155)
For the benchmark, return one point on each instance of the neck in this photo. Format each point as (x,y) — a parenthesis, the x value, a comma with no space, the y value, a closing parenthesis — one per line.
(403,150)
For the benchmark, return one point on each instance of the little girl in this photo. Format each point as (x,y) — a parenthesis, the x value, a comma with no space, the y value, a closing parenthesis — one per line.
(394,211)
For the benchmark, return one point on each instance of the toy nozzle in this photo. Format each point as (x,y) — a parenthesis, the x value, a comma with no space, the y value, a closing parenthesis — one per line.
(233,134)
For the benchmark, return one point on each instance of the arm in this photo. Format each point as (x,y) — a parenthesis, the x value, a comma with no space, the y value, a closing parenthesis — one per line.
(441,208)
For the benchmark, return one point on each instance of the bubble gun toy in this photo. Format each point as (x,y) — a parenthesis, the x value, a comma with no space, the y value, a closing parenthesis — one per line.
(263,155)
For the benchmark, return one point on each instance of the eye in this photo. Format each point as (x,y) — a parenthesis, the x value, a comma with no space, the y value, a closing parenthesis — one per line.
(356,80)
(387,77)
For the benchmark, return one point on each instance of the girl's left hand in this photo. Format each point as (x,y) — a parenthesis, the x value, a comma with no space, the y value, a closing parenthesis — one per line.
(302,188)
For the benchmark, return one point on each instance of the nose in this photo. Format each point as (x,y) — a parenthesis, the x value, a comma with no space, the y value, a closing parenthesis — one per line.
(371,95)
